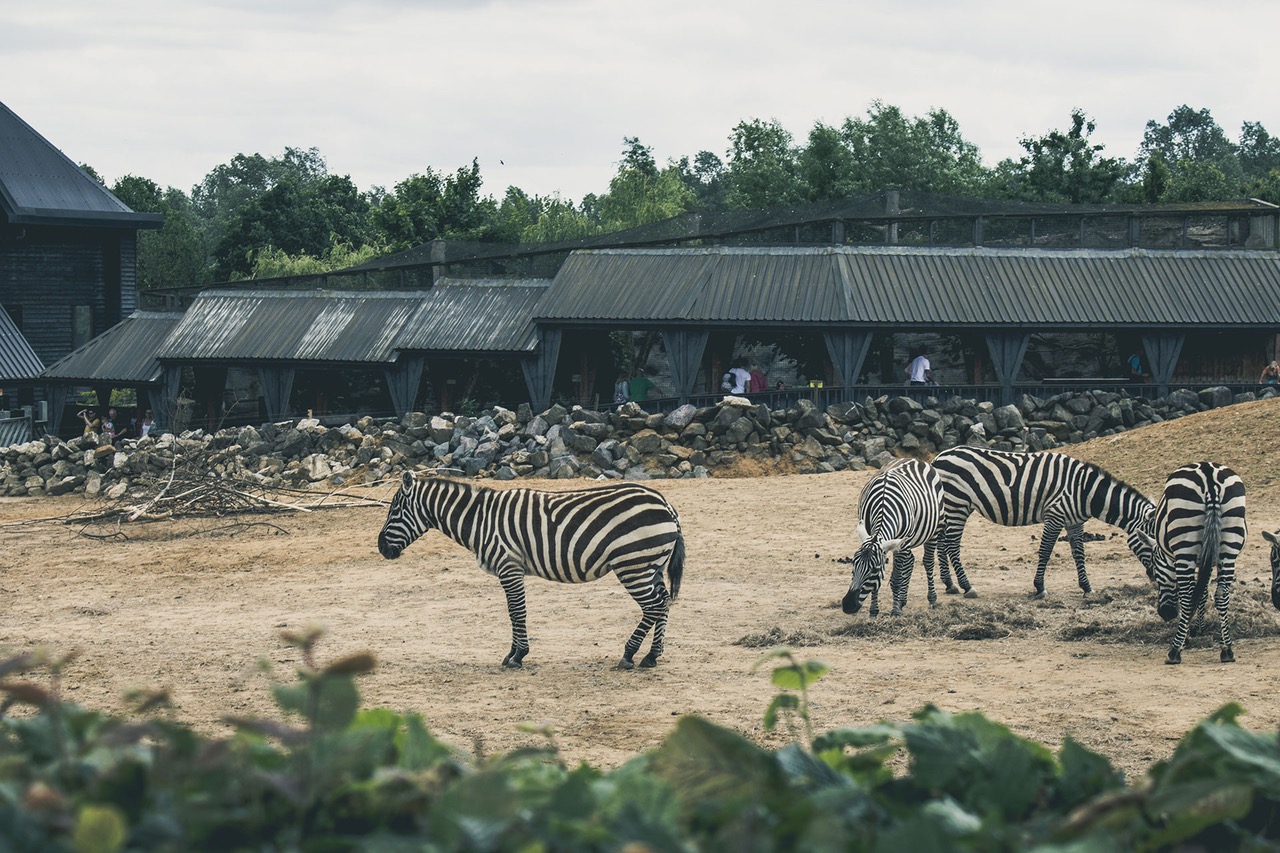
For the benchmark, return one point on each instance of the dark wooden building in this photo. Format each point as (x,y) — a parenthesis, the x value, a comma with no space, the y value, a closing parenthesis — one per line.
(67,247)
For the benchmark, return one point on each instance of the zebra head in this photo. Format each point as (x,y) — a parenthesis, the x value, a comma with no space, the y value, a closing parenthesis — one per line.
(1141,542)
(868,568)
(406,520)
(1274,539)
(1163,573)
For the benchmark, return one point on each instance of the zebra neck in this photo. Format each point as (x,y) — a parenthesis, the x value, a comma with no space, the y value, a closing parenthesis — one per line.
(458,509)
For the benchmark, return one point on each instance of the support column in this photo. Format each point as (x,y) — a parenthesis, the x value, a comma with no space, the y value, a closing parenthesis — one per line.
(684,354)
(277,385)
(540,369)
(847,350)
(1007,350)
(164,400)
(1162,354)
(403,381)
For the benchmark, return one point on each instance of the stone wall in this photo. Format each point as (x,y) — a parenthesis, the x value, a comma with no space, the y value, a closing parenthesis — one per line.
(579,443)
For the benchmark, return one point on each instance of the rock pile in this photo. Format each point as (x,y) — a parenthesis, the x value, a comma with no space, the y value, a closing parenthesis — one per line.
(561,443)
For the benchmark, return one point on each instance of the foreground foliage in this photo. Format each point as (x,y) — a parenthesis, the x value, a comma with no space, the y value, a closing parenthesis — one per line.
(339,778)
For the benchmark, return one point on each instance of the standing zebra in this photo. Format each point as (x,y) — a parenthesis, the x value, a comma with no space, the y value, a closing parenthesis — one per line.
(1015,489)
(1274,539)
(900,508)
(1199,523)
(570,537)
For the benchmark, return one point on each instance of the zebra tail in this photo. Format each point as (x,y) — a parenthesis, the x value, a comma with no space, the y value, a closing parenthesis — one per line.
(1209,545)
(675,565)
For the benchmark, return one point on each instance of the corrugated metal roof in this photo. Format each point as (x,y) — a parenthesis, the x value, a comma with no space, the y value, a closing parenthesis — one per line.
(476,315)
(125,353)
(18,361)
(352,327)
(40,185)
(919,287)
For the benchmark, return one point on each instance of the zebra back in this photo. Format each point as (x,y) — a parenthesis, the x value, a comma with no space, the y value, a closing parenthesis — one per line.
(568,536)
(1015,488)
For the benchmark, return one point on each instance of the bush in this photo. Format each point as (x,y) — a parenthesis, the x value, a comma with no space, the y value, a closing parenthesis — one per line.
(335,778)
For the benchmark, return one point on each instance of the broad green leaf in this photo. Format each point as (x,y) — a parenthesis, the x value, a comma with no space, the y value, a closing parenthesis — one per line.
(799,676)
(710,765)
(98,829)
(781,702)
(1193,806)
(859,737)
(1084,774)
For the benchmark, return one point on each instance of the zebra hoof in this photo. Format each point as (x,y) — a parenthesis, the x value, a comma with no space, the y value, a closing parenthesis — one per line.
(1175,656)
(1228,656)
(970,593)
(510,663)
(953,590)
(1086,588)
(514,658)
(649,661)
(897,611)
(1038,595)
(626,664)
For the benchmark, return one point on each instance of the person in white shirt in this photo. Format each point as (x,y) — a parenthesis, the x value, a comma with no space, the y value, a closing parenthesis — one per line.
(920,372)
(741,378)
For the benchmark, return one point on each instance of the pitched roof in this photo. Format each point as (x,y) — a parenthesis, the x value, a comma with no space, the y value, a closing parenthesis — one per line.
(125,353)
(476,316)
(343,327)
(39,185)
(895,286)
(18,361)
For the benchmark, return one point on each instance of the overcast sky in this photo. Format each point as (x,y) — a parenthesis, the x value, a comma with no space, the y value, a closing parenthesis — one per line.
(542,92)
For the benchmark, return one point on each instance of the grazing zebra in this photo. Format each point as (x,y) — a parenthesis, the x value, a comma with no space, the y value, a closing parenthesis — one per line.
(1274,539)
(570,537)
(1015,489)
(1199,523)
(900,508)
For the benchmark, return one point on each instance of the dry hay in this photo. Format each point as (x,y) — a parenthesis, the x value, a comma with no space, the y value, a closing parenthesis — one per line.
(1123,615)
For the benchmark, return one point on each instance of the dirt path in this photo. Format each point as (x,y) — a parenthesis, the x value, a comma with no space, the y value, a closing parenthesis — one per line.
(193,606)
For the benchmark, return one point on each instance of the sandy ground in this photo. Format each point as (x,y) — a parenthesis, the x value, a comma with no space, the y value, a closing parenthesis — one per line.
(195,605)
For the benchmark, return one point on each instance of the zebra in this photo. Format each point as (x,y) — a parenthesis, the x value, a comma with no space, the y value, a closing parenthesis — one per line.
(1014,488)
(1274,539)
(899,509)
(569,537)
(1199,523)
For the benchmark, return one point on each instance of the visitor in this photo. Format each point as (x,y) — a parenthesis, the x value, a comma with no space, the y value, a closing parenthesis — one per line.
(91,423)
(622,388)
(1270,374)
(920,371)
(639,387)
(741,377)
(759,382)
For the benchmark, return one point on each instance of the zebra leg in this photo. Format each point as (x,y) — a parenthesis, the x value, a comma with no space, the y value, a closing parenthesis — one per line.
(652,597)
(512,581)
(1075,536)
(951,551)
(1226,577)
(1048,538)
(659,630)
(874,610)
(1186,574)
(930,551)
(900,579)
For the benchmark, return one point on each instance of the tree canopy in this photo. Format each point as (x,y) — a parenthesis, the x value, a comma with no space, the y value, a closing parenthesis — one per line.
(259,215)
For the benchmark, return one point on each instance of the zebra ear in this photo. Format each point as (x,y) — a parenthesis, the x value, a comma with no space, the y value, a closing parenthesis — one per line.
(406,481)
(891,545)
(863,535)
(1273,538)
(1145,538)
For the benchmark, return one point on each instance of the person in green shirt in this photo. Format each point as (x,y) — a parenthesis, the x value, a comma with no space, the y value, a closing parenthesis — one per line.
(640,386)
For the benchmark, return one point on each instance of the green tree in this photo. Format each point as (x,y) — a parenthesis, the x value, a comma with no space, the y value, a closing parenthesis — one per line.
(271,262)
(556,219)
(926,153)
(175,255)
(763,167)
(1203,164)
(827,165)
(296,217)
(641,193)
(430,205)
(705,176)
(1064,167)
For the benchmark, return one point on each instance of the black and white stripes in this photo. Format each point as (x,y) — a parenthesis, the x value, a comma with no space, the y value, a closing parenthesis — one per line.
(1273,539)
(1199,523)
(569,536)
(1012,489)
(900,508)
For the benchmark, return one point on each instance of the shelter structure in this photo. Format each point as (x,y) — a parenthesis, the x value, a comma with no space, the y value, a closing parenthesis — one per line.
(124,356)
(68,247)
(463,321)
(848,294)
(277,334)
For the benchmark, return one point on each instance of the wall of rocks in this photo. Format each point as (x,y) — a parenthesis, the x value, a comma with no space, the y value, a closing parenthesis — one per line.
(627,443)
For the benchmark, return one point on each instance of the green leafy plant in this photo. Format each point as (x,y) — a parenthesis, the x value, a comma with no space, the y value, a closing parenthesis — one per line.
(793,675)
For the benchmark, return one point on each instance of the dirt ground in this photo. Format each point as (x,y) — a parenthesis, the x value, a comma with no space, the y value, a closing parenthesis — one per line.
(194,605)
